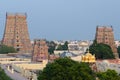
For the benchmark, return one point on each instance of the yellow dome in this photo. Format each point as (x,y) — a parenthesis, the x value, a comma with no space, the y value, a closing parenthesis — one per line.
(88,54)
(88,57)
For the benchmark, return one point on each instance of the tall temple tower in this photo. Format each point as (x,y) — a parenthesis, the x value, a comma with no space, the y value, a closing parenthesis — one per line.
(105,35)
(40,50)
(16,33)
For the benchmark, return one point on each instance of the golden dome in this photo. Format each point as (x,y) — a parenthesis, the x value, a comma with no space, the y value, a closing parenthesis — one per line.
(88,57)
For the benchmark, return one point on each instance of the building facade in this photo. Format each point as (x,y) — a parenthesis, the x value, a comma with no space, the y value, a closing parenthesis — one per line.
(105,35)
(40,50)
(16,33)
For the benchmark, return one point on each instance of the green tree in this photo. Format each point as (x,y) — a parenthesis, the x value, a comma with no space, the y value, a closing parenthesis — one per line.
(59,47)
(7,49)
(66,69)
(101,51)
(108,75)
(3,76)
(118,50)
(63,47)
(51,46)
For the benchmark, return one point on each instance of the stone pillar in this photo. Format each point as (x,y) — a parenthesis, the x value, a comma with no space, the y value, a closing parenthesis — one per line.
(8,68)
(12,70)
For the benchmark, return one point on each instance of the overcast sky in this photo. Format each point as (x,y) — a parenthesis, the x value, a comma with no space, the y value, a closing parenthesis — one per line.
(64,19)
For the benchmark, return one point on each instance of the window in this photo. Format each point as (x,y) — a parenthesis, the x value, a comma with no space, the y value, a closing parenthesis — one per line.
(18,49)
(17,45)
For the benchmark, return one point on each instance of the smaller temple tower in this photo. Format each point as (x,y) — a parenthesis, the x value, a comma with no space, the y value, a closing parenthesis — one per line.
(40,50)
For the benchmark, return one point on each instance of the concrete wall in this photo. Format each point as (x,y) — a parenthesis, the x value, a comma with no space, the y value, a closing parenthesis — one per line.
(77,58)
(13,60)
(57,52)
(32,66)
(105,65)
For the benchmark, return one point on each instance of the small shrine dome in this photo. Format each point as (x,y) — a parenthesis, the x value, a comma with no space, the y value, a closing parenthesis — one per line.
(88,57)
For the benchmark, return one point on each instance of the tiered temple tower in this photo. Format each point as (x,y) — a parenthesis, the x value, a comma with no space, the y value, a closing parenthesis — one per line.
(16,33)
(105,35)
(40,50)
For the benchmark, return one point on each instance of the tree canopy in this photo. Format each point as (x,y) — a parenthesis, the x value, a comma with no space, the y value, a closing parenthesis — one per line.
(3,76)
(108,75)
(101,51)
(63,47)
(118,50)
(66,69)
(6,49)
(51,46)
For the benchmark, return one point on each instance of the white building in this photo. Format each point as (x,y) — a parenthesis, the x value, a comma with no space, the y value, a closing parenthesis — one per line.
(117,43)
